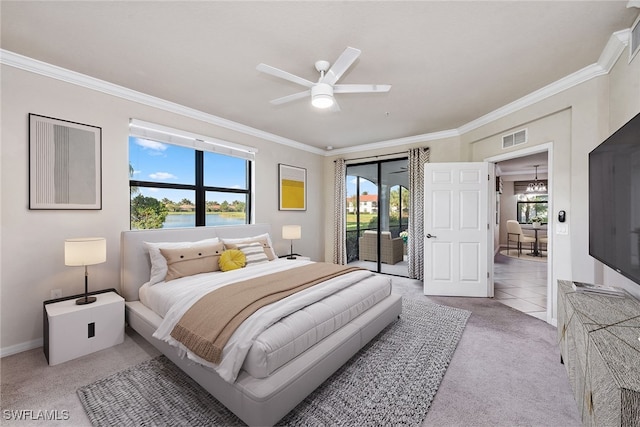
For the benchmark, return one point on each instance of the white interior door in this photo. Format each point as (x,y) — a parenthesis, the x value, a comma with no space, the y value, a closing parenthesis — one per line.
(456,252)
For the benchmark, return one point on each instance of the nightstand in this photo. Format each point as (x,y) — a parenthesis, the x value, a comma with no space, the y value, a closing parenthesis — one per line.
(73,330)
(296,256)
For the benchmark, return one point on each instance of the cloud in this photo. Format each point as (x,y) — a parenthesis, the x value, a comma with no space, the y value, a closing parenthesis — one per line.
(162,175)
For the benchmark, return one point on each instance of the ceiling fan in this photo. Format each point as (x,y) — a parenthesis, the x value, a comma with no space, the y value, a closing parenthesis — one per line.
(322,91)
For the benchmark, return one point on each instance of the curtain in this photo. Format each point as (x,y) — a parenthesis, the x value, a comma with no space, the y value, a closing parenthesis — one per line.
(415,244)
(339,217)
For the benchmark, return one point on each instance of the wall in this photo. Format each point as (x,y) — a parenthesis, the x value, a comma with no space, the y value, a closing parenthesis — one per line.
(32,244)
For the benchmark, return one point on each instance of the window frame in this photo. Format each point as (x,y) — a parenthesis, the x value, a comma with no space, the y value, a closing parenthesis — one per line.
(199,144)
(529,202)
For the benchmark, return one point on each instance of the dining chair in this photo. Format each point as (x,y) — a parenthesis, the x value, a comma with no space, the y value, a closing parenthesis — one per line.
(515,234)
(544,241)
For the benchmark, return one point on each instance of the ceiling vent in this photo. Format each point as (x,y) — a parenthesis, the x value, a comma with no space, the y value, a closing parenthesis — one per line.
(634,42)
(513,139)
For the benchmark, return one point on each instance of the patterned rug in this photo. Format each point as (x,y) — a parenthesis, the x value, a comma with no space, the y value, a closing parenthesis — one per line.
(392,380)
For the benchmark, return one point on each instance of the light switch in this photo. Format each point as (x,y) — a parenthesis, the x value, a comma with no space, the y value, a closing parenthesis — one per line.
(562,228)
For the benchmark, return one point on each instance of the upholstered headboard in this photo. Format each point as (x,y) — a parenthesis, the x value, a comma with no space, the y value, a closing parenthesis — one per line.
(134,259)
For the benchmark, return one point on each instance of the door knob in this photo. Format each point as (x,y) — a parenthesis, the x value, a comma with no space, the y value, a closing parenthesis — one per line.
(430,236)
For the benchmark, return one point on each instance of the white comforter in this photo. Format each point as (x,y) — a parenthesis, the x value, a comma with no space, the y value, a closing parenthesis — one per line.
(177,296)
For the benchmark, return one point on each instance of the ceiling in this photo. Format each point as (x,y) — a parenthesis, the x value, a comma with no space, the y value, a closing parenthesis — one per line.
(449,62)
(525,165)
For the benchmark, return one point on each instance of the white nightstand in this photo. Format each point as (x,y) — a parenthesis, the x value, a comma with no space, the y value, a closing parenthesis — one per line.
(73,330)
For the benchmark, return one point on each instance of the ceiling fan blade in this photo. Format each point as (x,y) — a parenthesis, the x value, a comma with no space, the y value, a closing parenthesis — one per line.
(268,69)
(335,108)
(293,97)
(341,65)
(348,88)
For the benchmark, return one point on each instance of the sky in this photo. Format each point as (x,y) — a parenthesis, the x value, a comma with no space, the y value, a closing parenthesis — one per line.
(365,186)
(158,162)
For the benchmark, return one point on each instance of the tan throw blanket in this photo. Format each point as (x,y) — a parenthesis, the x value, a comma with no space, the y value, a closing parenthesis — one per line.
(208,324)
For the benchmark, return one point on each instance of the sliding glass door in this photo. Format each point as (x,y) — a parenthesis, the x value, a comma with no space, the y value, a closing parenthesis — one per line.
(377,213)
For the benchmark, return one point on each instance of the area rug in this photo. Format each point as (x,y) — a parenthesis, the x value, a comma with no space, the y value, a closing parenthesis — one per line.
(392,380)
(513,253)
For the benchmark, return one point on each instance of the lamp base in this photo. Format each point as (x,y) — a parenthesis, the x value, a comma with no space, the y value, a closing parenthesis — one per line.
(85,300)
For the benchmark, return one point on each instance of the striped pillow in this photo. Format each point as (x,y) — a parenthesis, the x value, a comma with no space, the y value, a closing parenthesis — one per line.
(254,252)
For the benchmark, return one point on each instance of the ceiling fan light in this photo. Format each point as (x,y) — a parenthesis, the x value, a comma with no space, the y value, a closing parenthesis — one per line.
(322,95)
(322,101)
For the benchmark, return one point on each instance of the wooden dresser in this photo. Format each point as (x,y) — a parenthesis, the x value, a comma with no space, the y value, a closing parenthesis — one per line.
(600,347)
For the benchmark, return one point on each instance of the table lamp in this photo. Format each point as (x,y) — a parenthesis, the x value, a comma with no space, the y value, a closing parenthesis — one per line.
(83,252)
(291,232)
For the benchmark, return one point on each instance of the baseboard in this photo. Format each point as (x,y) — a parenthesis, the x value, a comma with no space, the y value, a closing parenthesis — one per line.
(19,348)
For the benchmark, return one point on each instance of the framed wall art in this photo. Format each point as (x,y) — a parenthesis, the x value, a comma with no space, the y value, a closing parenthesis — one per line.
(65,170)
(293,188)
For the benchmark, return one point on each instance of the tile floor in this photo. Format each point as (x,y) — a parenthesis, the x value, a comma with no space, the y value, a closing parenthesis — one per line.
(521,284)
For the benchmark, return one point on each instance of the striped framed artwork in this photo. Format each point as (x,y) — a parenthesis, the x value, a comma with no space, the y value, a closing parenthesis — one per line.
(64,164)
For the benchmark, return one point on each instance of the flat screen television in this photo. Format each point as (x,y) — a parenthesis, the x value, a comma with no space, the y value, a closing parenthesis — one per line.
(614,201)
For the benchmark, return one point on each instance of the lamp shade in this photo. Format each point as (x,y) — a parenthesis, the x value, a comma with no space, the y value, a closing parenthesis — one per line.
(291,232)
(85,251)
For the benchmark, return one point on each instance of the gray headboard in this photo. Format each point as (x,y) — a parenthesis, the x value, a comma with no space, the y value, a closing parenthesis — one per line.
(134,258)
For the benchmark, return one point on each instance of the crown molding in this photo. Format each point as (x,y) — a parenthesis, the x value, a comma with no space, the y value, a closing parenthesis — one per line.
(616,45)
(395,142)
(610,54)
(48,70)
(554,88)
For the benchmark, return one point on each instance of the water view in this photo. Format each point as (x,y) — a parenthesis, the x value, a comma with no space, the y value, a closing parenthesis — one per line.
(176,220)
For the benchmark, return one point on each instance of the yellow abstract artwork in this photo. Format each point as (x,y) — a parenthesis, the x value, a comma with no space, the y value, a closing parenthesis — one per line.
(292,188)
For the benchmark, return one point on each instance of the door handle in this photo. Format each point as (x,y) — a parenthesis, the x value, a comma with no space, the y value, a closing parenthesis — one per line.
(428,236)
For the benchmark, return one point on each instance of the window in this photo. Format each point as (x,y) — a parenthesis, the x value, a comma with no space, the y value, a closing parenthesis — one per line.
(399,207)
(530,206)
(178,179)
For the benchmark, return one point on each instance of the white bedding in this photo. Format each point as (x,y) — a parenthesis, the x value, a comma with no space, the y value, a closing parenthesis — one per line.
(344,298)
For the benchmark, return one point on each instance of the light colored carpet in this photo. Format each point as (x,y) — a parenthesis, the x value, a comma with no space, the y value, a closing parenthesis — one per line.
(524,256)
(505,372)
(392,380)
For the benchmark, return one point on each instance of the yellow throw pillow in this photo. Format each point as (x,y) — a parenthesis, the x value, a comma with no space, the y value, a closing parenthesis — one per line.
(232,259)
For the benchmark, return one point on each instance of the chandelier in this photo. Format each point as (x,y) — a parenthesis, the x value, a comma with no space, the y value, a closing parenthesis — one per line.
(536,186)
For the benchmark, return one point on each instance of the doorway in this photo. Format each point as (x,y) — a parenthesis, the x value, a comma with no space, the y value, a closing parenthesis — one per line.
(524,281)
(377,214)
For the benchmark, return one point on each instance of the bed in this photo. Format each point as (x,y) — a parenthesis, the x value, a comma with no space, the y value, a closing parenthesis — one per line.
(259,394)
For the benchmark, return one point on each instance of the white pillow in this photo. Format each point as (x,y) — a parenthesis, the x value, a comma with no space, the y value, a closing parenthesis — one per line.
(268,247)
(159,263)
